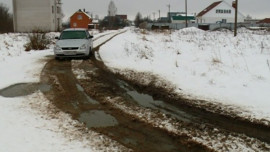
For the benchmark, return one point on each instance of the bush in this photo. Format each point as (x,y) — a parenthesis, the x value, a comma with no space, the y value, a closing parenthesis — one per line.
(143,25)
(37,41)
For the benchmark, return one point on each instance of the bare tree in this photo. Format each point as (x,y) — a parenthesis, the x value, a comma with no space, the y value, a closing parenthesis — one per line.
(138,19)
(6,19)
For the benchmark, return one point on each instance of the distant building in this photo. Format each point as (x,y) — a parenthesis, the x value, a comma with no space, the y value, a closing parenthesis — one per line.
(94,24)
(123,20)
(163,20)
(122,17)
(219,12)
(29,15)
(80,19)
(171,14)
(251,21)
(182,18)
(264,21)
(112,10)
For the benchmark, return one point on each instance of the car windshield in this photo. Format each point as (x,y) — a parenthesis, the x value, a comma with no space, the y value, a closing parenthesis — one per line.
(73,35)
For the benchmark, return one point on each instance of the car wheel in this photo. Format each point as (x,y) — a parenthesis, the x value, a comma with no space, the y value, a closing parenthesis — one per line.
(57,58)
(89,54)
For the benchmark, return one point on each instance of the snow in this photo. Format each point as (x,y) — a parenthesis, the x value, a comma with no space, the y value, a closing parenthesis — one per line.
(23,131)
(25,122)
(214,66)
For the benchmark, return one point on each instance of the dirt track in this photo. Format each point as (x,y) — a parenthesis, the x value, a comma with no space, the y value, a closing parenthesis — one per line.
(68,96)
(95,99)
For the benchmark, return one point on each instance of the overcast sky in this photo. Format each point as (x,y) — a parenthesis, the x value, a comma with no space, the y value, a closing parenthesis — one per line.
(254,8)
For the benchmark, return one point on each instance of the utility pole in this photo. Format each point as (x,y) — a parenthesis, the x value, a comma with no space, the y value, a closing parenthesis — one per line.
(154,14)
(169,13)
(159,14)
(235,22)
(186,15)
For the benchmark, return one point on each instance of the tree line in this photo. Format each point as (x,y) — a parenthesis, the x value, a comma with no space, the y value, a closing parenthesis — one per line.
(6,19)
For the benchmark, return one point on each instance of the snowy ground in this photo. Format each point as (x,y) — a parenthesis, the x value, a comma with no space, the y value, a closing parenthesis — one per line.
(25,124)
(215,66)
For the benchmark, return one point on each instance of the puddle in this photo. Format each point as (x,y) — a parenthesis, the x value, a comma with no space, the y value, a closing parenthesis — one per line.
(89,99)
(79,87)
(23,89)
(96,118)
(44,87)
(148,101)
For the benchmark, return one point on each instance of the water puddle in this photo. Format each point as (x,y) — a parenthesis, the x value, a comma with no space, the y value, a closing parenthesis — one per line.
(23,89)
(79,87)
(96,118)
(148,101)
(89,99)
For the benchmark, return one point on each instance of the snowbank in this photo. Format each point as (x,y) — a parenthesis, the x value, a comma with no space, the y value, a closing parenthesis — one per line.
(213,66)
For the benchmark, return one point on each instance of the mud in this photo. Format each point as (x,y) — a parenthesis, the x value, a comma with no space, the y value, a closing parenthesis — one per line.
(107,84)
(86,100)
(202,114)
(147,101)
(68,96)
(184,110)
(96,118)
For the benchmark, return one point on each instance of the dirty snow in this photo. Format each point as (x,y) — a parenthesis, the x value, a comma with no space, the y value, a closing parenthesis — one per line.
(213,66)
(24,124)
(213,138)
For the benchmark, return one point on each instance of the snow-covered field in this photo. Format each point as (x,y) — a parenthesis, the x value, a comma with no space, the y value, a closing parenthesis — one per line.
(25,124)
(233,72)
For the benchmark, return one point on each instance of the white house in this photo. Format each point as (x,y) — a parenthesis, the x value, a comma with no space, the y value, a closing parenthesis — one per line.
(29,15)
(220,11)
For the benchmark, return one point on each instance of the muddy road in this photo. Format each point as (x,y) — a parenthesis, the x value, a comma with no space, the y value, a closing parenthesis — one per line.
(143,119)
(88,91)
(87,104)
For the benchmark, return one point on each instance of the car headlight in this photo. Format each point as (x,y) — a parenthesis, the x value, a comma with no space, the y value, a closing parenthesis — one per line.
(57,48)
(83,47)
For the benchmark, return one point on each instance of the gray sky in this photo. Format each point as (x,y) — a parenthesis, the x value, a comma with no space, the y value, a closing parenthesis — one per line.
(255,8)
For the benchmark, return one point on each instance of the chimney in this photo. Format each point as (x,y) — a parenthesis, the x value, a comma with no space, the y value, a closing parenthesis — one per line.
(84,10)
(234,4)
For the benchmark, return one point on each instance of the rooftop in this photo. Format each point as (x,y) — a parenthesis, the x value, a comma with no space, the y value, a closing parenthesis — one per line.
(210,7)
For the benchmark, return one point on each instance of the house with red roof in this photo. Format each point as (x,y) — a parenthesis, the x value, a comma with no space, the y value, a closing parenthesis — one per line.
(80,19)
(219,12)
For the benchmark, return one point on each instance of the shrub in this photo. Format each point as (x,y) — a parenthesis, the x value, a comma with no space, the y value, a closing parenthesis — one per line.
(216,61)
(143,25)
(37,41)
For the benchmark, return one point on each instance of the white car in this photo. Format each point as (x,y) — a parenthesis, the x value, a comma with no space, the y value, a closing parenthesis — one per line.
(74,43)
